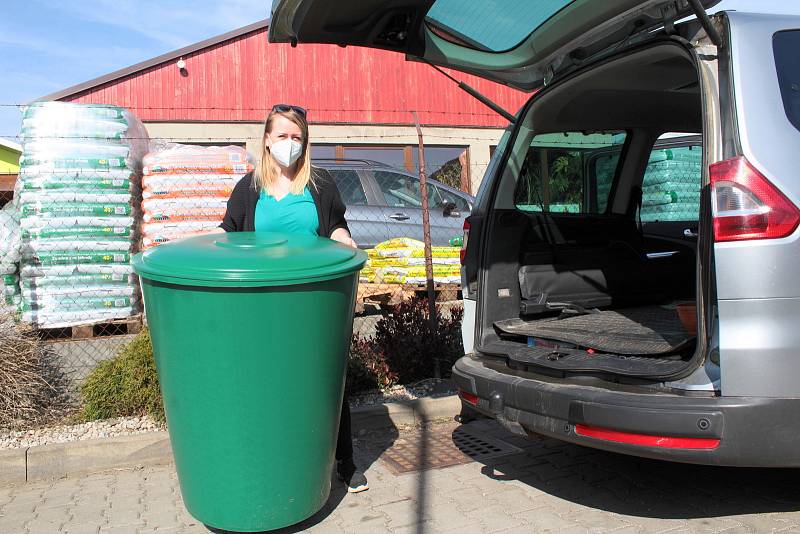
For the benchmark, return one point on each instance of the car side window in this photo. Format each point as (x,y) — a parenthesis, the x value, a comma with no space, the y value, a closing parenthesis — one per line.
(671,185)
(461,204)
(399,190)
(435,196)
(349,185)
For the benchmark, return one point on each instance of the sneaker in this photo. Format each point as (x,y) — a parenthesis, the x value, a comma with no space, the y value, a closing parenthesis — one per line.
(348,473)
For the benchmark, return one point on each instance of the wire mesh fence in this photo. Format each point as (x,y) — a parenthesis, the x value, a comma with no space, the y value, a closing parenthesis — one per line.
(671,185)
(93,190)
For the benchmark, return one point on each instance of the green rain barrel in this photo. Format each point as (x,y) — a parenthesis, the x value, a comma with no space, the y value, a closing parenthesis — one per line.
(251,333)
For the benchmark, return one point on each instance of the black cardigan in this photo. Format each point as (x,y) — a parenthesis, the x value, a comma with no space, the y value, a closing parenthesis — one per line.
(241,213)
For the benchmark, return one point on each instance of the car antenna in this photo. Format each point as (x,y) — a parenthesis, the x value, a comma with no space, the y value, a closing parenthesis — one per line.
(478,96)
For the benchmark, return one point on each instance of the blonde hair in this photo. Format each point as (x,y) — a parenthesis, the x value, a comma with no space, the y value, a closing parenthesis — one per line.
(265,172)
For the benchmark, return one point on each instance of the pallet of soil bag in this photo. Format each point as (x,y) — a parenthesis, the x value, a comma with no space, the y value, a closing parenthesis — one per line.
(392,294)
(442,292)
(113,327)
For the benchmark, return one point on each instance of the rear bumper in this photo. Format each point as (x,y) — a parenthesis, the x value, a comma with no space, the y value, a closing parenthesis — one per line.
(735,431)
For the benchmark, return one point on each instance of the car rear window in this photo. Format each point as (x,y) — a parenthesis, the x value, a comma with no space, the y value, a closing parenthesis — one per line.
(785,47)
(569,172)
(491,25)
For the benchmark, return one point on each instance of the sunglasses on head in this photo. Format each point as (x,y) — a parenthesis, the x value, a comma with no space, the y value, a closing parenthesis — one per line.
(283,108)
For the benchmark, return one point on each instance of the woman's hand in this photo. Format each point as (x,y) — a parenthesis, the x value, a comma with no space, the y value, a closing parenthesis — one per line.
(343,236)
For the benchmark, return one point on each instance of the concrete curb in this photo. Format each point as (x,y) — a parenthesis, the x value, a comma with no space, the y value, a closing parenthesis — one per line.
(79,457)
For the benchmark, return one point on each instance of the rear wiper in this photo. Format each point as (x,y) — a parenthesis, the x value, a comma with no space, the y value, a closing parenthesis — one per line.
(477,95)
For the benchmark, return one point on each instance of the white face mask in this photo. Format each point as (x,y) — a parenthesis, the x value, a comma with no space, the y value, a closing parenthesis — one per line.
(286,151)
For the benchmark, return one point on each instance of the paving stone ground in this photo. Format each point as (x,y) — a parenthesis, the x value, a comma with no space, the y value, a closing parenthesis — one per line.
(547,487)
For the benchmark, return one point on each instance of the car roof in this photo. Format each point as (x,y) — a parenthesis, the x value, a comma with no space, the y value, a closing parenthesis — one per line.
(332,163)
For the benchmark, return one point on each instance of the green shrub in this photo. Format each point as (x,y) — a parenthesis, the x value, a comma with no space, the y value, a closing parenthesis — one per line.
(405,339)
(125,385)
(366,368)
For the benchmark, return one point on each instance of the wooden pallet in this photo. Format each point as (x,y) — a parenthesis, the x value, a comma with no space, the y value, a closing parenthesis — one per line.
(114,327)
(442,292)
(393,294)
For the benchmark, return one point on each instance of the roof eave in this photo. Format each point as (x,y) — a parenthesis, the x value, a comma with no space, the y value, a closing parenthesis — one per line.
(10,144)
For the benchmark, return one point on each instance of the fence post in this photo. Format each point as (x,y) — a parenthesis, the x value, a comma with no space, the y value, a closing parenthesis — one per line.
(426,236)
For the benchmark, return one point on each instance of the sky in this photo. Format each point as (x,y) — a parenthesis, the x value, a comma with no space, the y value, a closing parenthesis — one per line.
(49,45)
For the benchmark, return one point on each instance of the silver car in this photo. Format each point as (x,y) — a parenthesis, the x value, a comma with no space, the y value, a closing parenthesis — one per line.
(609,300)
(384,202)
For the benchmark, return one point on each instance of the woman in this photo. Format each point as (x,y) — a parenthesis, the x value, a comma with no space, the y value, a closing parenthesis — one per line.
(285,194)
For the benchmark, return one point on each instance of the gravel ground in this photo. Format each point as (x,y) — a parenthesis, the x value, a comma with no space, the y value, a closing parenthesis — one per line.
(125,426)
(122,426)
(424,388)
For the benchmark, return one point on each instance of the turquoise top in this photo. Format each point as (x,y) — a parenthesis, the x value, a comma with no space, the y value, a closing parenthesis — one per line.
(293,214)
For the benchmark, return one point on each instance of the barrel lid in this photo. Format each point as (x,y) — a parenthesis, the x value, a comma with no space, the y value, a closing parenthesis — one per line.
(248,259)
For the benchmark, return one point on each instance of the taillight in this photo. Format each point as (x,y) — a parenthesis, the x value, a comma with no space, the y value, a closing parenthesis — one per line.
(746,205)
(468,397)
(464,241)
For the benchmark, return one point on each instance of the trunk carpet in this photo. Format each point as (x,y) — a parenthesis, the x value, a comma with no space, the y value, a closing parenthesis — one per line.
(647,330)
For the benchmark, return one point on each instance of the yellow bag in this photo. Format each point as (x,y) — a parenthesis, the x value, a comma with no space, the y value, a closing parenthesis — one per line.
(393,279)
(390,270)
(388,262)
(435,261)
(438,252)
(400,242)
(436,279)
(438,270)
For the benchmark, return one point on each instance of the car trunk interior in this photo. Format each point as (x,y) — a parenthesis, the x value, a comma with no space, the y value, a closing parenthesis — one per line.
(599,284)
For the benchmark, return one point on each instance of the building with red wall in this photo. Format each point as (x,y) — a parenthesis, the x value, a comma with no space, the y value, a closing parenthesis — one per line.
(360,101)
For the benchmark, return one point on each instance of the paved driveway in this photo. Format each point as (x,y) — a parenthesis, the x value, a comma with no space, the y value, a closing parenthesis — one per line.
(528,486)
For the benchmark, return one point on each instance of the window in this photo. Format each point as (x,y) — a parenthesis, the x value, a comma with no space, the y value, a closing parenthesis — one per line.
(569,172)
(461,204)
(671,184)
(349,185)
(785,46)
(323,151)
(402,191)
(446,164)
(491,25)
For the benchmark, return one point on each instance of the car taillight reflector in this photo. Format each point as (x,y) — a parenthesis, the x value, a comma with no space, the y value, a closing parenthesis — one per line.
(464,242)
(468,397)
(646,440)
(746,205)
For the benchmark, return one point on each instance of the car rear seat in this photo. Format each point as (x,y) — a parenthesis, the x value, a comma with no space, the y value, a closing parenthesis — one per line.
(591,276)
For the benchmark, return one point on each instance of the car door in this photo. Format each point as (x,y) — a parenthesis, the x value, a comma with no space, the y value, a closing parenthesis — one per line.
(366,226)
(671,190)
(520,43)
(452,218)
(670,207)
(401,208)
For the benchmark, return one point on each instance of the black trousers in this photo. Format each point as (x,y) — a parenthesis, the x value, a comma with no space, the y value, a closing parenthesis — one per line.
(344,443)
